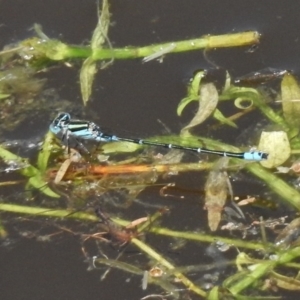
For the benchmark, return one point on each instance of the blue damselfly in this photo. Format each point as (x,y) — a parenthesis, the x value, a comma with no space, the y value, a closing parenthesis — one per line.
(67,127)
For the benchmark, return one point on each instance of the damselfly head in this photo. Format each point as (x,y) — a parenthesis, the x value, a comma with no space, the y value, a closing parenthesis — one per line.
(264,155)
(61,119)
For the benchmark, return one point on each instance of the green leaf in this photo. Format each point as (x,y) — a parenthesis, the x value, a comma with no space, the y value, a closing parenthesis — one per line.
(101,30)
(213,294)
(184,102)
(3,232)
(285,282)
(35,176)
(44,154)
(193,92)
(39,183)
(234,92)
(89,67)
(7,156)
(240,102)
(87,74)
(120,147)
(227,82)
(222,119)
(208,102)
(216,192)
(4,96)
(277,144)
(290,93)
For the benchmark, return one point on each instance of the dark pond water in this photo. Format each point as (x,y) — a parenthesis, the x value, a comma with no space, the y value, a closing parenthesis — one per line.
(132,96)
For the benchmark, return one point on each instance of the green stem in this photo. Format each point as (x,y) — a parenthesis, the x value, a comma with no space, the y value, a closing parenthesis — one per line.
(209,238)
(275,183)
(263,269)
(56,50)
(60,213)
(247,280)
(47,212)
(161,260)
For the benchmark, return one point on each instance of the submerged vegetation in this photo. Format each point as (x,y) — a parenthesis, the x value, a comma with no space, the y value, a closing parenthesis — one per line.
(67,182)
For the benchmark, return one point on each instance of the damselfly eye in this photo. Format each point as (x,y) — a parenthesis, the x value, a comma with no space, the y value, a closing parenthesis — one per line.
(62,118)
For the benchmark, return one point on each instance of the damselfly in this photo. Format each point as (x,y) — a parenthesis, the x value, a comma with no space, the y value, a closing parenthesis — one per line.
(64,125)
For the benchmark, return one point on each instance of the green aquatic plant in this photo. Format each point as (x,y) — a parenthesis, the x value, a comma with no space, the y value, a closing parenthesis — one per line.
(257,260)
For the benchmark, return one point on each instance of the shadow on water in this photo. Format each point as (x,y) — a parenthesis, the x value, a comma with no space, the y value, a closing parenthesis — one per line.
(131,96)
